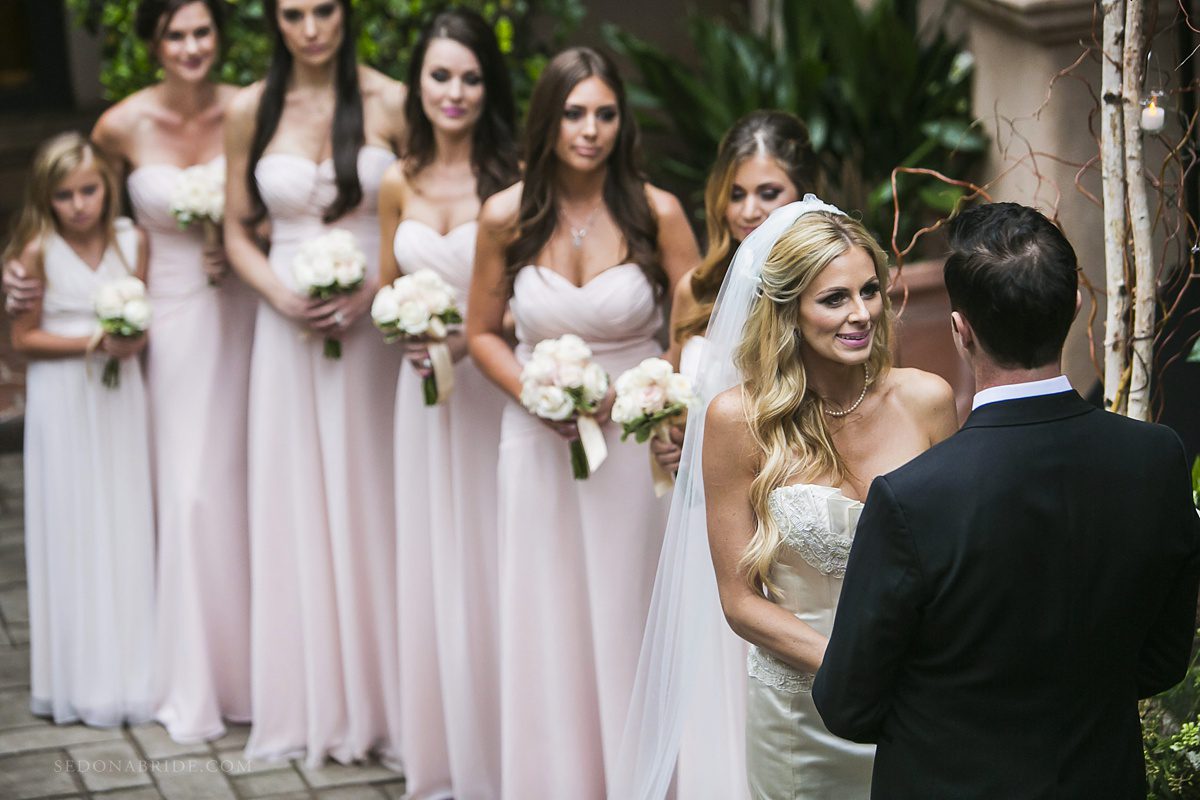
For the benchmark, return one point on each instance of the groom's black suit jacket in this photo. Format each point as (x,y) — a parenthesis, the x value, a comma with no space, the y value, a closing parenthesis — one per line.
(1010,595)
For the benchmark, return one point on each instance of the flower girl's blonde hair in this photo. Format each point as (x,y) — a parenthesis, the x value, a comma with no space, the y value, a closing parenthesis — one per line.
(786,419)
(55,160)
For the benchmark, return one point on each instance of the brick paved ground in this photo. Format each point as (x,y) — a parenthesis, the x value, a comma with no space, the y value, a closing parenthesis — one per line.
(42,760)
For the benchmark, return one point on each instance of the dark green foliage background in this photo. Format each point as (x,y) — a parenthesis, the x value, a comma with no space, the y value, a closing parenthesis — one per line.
(876,90)
(388,29)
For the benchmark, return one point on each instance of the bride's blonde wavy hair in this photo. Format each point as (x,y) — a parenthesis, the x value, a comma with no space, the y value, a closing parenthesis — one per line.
(786,419)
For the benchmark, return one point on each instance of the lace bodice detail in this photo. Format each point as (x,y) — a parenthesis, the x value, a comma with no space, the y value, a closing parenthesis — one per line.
(766,668)
(817,524)
(806,518)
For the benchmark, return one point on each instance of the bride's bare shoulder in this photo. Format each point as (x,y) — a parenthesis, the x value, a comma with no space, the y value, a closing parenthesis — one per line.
(729,448)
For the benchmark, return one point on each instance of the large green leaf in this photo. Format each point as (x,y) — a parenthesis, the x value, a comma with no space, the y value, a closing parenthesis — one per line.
(875,92)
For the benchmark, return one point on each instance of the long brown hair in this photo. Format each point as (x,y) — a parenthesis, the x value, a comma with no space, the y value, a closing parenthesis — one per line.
(493,142)
(624,183)
(347,135)
(775,134)
(55,160)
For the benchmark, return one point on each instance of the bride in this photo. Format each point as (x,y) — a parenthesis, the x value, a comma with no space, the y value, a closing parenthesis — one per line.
(788,455)
(805,412)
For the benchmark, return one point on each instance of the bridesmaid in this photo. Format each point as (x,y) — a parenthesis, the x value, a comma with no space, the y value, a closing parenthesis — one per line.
(762,164)
(584,245)
(306,148)
(197,372)
(460,151)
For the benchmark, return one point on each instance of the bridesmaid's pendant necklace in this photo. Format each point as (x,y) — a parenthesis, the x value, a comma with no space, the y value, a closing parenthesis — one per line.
(579,233)
(862,394)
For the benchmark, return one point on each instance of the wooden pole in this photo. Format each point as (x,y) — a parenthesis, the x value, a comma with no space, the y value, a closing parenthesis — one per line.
(1112,160)
(1144,292)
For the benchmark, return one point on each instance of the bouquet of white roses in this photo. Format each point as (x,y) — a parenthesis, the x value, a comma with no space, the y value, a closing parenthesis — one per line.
(560,382)
(649,397)
(199,196)
(330,265)
(421,306)
(123,310)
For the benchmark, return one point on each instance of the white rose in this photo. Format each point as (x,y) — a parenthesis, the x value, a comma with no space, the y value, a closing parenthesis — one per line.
(413,318)
(679,390)
(546,349)
(137,313)
(572,348)
(553,403)
(384,308)
(129,287)
(570,375)
(539,371)
(320,274)
(632,381)
(347,273)
(624,410)
(656,369)
(595,383)
(651,398)
(108,302)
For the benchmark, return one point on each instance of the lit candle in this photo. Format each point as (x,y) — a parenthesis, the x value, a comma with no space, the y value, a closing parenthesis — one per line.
(1153,117)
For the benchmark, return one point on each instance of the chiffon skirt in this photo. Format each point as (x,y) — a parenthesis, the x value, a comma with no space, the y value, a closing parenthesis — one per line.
(89,535)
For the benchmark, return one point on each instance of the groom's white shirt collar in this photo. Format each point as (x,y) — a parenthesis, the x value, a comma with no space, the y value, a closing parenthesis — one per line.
(1016,391)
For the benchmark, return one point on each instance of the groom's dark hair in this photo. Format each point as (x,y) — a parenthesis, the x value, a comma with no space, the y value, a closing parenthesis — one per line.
(1014,276)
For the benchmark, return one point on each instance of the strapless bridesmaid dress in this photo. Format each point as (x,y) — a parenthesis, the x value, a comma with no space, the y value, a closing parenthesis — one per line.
(324,676)
(446,458)
(577,558)
(197,381)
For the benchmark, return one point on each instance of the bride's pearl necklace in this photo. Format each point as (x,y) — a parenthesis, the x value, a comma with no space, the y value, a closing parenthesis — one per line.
(858,402)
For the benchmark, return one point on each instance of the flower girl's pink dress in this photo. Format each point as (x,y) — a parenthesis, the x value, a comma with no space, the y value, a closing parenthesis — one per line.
(577,558)
(324,679)
(197,379)
(446,555)
(89,515)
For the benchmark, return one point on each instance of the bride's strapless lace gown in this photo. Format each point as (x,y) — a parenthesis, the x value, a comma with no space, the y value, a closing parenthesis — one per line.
(789,752)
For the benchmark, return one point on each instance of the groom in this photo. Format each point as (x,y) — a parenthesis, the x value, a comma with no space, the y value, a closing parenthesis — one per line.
(1012,592)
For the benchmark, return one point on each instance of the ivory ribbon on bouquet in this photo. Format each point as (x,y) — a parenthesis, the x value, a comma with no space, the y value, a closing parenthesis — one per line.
(592,440)
(664,482)
(443,369)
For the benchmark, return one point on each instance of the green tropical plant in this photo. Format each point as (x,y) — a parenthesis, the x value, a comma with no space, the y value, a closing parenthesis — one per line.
(388,29)
(876,91)
(1171,724)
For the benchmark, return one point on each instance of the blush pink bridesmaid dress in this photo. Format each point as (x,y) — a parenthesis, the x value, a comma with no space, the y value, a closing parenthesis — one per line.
(197,381)
(577,558)
(446,458)
(324,678)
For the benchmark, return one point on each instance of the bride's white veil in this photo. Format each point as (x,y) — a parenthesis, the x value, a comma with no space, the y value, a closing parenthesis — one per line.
(675,684)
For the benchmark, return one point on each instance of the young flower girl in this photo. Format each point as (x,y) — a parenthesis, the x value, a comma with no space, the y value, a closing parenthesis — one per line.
(88,510)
